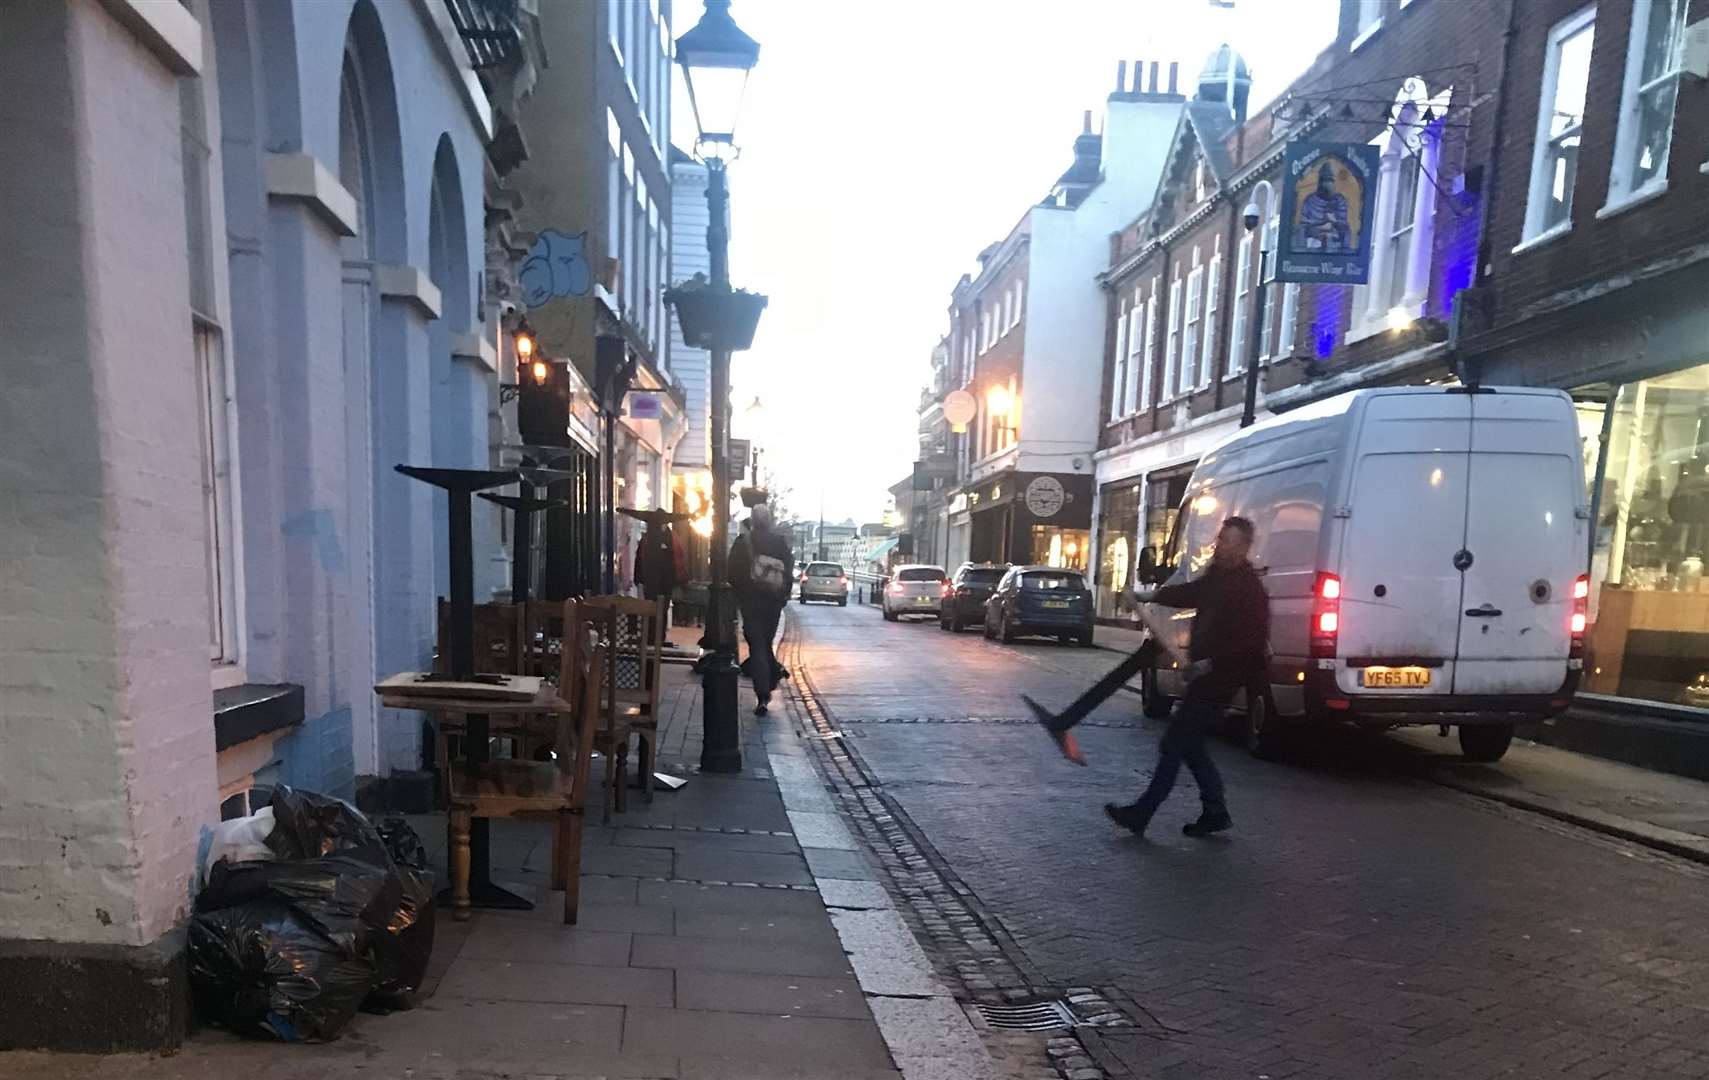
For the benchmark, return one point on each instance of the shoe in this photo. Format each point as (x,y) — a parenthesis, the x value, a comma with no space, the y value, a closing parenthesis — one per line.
(1131,818)
(1207,824)
(761,710)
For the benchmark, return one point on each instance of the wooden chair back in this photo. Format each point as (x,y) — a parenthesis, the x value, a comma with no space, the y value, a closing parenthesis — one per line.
(576,726)
(496,636)
(637,637)
(543,626)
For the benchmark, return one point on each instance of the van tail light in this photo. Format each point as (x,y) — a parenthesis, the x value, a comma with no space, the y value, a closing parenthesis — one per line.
(1325,615)
(844,580)
(896,589)
(1580,619)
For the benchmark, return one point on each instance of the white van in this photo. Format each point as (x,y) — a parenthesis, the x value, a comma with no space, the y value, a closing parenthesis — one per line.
(1424,550)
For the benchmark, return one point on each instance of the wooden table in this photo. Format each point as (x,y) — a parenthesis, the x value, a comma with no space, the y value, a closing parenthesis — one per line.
(477,702)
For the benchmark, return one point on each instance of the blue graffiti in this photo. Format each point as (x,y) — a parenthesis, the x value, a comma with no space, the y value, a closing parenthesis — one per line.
(556,266)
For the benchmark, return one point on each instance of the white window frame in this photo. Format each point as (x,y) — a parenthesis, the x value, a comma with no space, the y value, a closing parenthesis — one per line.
(1267,314)
(1118,368)
(1150,364)
(614,21)
(1622,193)
(1172,343)
(1020,298)
(1407,136)
(1190,329)
(1373,11)
(1290,318)
(1237,329)
(1542,180)
(1213,287)
(1137,376)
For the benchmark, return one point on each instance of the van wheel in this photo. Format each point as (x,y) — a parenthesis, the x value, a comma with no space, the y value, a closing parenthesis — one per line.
(1153,701)
(889,616)
(1485,742)
(1266,732)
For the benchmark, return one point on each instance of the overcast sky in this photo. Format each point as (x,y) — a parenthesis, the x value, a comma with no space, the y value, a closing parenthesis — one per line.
(884,143)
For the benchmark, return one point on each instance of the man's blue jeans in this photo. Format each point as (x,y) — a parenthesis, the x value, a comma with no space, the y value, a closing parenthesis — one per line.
(1184,742)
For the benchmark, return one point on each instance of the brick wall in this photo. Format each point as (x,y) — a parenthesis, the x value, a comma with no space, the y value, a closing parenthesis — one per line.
(1595,248)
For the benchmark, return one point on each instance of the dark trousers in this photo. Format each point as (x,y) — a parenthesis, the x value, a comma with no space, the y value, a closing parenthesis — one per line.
(759,627)
(1184,742)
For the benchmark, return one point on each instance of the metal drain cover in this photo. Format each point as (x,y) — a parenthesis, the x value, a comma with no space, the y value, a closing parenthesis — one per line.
(1034,1016)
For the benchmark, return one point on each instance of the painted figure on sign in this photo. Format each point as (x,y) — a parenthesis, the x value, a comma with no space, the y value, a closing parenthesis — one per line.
(1323,224)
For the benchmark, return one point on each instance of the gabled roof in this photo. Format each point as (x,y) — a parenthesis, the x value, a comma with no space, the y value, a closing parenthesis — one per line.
(1212,123)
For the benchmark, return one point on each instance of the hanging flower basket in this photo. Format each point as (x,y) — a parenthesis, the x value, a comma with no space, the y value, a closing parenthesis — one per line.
(716,317)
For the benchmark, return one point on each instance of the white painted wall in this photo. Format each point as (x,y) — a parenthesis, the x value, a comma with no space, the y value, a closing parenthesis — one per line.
(689,257)
(106,742)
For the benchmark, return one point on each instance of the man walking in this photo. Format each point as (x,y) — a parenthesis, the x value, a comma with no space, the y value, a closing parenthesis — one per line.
(1228,650)
(761,567)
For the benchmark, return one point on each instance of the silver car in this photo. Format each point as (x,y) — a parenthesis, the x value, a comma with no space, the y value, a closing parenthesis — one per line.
(825,581)
(915,590)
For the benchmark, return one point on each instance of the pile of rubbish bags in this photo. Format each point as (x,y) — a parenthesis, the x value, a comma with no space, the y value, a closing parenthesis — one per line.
(308,913)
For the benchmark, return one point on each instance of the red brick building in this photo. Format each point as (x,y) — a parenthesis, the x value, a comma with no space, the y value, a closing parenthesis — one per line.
(1416,79)
(1596,281)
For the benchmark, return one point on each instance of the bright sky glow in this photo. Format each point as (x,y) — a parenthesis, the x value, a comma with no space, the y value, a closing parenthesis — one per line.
(884,143)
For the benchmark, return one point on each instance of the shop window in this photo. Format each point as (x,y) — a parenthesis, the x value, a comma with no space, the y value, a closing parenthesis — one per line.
(1649,635)
(1118,546)
(1163,494)
(1560,124)
(1062,548)
(1647,101)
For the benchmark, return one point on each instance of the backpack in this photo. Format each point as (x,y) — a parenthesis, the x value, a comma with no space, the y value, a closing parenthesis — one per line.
(768,574)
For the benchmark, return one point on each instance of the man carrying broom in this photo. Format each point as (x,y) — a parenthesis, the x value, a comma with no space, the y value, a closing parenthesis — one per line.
(1227,652)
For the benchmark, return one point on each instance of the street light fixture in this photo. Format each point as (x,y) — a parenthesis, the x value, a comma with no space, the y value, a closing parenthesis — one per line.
(716,57)
(1253,219)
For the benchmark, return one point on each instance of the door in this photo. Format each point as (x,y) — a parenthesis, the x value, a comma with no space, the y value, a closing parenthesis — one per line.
(1526,544)
(1400,587)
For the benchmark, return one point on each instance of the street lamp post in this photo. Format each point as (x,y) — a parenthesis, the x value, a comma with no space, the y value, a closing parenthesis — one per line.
(1253,219)
(716,57)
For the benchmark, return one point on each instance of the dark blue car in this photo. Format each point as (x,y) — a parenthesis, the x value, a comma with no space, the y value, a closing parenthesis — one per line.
(1040,601)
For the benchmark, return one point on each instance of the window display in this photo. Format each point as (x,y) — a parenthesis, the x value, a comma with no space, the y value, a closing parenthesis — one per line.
(1118,541)
(1650,631)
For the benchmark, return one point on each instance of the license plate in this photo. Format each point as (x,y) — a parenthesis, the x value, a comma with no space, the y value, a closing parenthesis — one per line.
(1383,678)
(922,600)
(1056,603)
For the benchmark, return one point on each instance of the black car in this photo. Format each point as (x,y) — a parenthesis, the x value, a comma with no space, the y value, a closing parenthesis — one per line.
(1040,601)
(964,602)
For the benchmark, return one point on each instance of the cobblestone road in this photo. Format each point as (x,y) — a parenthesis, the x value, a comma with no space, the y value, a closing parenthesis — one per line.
(1359,922)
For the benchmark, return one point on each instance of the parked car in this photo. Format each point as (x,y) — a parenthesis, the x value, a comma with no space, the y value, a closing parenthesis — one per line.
(1040,601)
(1424,549)
(825,581)
(972,585)
(914,590)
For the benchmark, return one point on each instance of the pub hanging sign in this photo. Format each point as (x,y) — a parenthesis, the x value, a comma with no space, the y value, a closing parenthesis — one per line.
(1329,191)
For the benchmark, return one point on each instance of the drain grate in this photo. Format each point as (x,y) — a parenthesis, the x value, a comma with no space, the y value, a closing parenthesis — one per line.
(1034,1016)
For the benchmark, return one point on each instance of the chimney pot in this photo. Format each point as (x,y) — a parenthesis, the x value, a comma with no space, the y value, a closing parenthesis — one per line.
(1086,123)
(1174,76)
(1155,66)
(1121,76)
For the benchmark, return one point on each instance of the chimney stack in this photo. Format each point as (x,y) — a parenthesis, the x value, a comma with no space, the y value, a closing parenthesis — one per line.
(1155,66)
(1121,76)
(1174,76)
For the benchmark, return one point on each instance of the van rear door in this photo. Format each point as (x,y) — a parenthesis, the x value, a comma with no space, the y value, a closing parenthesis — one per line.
(1400,590)
(1525,543)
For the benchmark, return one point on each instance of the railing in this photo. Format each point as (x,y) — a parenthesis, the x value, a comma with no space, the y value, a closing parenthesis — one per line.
(865,587)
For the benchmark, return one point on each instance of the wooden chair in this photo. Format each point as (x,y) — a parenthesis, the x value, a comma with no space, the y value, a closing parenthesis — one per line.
(629,700)
(497,789)
(498,648)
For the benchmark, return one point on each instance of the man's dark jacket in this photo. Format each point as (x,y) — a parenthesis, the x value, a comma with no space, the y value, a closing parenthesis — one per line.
(749,596)
(1232,626)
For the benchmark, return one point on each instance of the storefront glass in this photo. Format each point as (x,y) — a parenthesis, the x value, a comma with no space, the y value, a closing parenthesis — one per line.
(1118,544)
(1163,494)
(1649,634)
(1065,548)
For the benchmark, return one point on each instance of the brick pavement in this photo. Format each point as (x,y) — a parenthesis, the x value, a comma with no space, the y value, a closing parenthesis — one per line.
(1360,922)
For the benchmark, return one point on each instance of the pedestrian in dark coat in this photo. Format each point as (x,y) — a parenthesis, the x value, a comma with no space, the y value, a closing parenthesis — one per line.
(1229,650)
(761,567)
(656,562)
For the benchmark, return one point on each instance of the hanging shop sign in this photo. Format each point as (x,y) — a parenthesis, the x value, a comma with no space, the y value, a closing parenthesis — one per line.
(1329,191)
(644,406)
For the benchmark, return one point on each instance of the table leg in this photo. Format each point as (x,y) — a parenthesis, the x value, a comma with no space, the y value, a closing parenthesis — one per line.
(483,893)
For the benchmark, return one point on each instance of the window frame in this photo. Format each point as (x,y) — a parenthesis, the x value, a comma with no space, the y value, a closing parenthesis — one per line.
(1171,342)
(1213,289)
(1533,229)
(1136,374)
(1237,330)
(1190,330)
(1406,137)
(1621,191)
(1118,368)
(1149,364)
(1363,31)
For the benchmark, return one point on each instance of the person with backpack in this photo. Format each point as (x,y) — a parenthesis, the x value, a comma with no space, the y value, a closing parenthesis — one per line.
(762,564)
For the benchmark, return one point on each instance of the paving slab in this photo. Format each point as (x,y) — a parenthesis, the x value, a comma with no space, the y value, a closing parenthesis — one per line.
(776,995)
(516,939)
(886,957)
(709,954)
(933,1038)
(816,829)
(859,895)
(830,1045)
(737,898)
(707,842)
(627,861)
(753,867)
(847,865)
(579,984)
(756,928)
